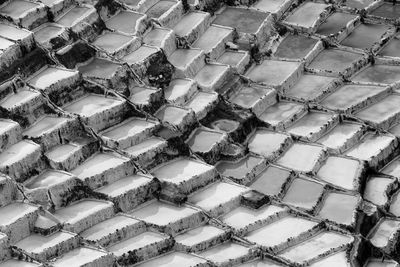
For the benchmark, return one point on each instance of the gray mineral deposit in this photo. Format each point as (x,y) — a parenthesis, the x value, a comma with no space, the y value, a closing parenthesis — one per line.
(199,133)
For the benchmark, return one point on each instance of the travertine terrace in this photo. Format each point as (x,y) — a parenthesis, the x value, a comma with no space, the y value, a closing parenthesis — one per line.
(199,133)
